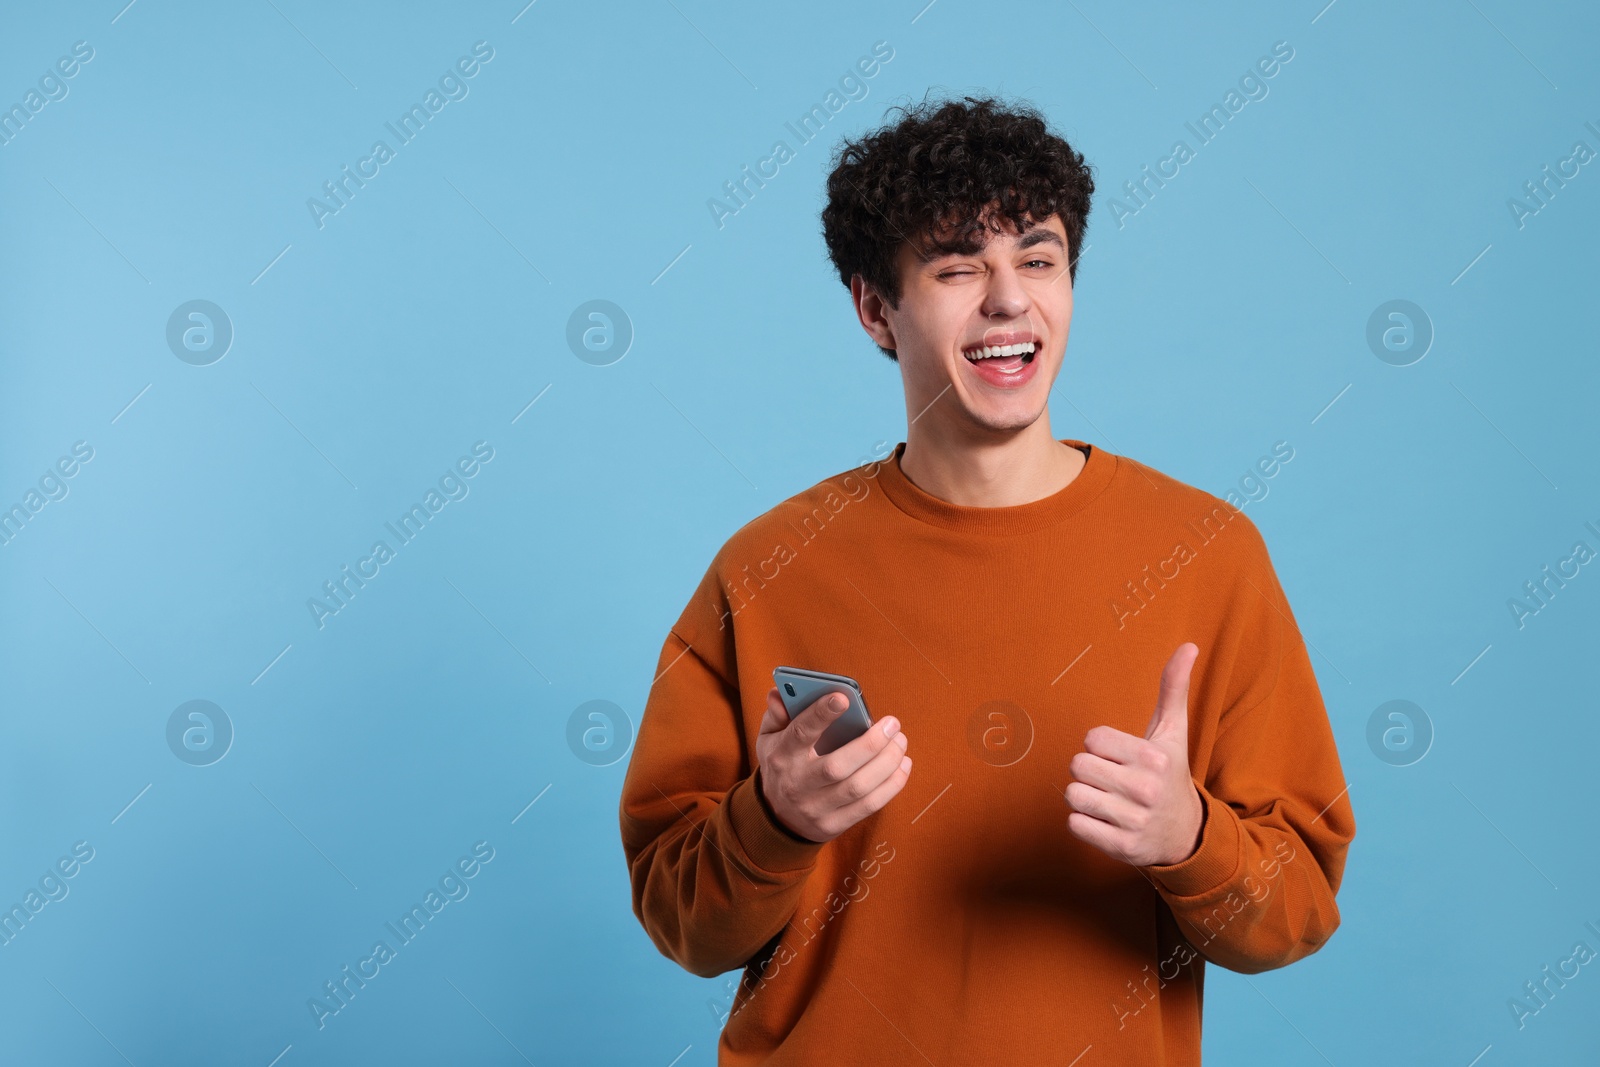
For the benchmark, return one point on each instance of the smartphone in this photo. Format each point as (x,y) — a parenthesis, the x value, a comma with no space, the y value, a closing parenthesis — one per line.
(799,689)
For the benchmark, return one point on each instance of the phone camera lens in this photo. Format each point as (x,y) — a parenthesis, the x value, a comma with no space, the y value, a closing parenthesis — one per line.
(788,688)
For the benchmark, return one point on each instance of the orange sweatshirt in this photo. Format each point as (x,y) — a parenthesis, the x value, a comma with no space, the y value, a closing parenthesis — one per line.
(964,923)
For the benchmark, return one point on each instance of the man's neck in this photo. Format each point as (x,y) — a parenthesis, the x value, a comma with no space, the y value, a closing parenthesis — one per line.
(992,472)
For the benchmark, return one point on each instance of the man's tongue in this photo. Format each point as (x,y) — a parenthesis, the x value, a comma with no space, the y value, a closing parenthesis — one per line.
(1008,364)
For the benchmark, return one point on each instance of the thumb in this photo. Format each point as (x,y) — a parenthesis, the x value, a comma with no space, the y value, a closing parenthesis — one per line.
(1171,719)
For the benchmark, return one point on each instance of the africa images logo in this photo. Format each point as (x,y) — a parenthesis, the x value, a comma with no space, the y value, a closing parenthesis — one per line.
(453,485)
(452,87)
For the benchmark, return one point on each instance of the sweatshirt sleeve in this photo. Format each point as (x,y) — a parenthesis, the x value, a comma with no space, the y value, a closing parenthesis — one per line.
(715,876)
(1258,892)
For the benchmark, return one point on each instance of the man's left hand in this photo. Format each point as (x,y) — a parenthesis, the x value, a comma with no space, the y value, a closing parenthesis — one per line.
(1133,798)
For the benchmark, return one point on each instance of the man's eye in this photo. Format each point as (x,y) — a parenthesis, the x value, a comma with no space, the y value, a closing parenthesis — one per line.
(956,273)
(1041,262)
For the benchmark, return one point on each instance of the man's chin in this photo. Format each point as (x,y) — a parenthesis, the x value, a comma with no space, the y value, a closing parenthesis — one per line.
(994,420)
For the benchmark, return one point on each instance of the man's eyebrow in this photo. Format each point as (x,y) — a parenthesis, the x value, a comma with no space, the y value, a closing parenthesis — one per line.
(1039,235)
(957,246)
(971,246)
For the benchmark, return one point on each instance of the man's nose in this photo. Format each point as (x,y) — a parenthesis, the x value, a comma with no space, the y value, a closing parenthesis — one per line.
(1005,299)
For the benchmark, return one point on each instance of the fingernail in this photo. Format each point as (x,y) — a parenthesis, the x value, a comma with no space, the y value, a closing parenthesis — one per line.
(840,701)
(891,726)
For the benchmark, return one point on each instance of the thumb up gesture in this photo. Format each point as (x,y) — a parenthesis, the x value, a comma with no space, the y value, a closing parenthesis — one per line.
(1133,798)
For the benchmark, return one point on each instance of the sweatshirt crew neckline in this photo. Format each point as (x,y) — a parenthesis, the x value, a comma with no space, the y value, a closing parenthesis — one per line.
(918,503)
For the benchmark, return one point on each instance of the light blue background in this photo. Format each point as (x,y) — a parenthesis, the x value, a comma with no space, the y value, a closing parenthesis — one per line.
(1221,318)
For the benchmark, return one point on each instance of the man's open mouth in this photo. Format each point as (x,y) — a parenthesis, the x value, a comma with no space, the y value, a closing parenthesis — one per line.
(1008,359)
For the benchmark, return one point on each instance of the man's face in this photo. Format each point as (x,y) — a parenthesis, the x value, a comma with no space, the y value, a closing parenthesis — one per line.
(1014,289)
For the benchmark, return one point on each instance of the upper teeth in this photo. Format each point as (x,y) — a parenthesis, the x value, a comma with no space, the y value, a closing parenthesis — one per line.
(991,351)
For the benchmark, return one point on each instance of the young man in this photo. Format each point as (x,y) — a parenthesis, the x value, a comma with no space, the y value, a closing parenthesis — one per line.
(1123,766)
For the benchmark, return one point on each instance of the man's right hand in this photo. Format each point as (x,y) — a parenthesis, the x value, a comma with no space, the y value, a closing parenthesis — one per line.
(820,797)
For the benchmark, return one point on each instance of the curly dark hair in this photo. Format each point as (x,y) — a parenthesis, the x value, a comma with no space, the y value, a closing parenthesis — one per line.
(941,164)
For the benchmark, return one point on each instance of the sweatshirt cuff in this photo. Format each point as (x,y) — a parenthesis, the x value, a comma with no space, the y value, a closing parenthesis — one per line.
(1214,863)
(766,842)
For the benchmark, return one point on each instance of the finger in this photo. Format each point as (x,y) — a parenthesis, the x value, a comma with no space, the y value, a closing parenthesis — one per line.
(883,755)
(1171,718)
(1103,836)
(846,760)
(1101,773)
(814,718)
(1108,807)
(776,716)
(880,796)
(1110,743)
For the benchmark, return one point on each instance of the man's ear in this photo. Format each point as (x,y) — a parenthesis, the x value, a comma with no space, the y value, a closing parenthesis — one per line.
(870,310)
